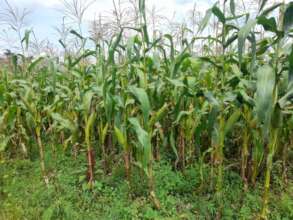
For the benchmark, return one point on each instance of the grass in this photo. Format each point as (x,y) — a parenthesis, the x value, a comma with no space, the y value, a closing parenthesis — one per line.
(24,196)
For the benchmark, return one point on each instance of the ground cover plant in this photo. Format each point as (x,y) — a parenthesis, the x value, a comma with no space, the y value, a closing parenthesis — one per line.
(134,127)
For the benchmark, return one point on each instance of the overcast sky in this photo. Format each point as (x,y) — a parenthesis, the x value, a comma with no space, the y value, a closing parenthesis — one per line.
(45,14)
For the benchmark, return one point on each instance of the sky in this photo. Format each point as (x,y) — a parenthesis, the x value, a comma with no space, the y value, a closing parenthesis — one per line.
(45,14)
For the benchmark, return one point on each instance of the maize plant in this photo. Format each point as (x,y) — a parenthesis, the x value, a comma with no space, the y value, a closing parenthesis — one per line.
(31,102)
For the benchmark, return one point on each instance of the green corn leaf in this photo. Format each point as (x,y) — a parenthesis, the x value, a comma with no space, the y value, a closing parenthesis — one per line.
(288,17)
(14,59)
(121,138)
(84,55)
(231,121)
(277,119)
(270,9)
(76,34)
(262,4)
(62,43)
(172,49)
(178,61)
(141,95)
(89,123)
(173,146)
(205,21)
(142,10)
(252,41)
(87,100)
(144,140)
(113,47)
(142,7)
(258,150)
(219,14)
(232,7)
(104,132)
(181,115)
(145,34)
(63,122)
(246,98)
(26,38)
(287,98)
(211,99)
(158,115)
(34,64)
(242,35)
(129,46)
(29,106)
(264,100)
(234,18)
(176,82)
(230,40)
(269,24)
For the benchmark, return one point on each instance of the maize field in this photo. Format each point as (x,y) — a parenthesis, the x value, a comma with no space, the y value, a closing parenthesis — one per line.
(114,114)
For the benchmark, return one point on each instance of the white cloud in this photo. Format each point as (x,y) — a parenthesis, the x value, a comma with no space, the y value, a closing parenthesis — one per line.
(48,3)
(45,3)
(180,7)
(166,7)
